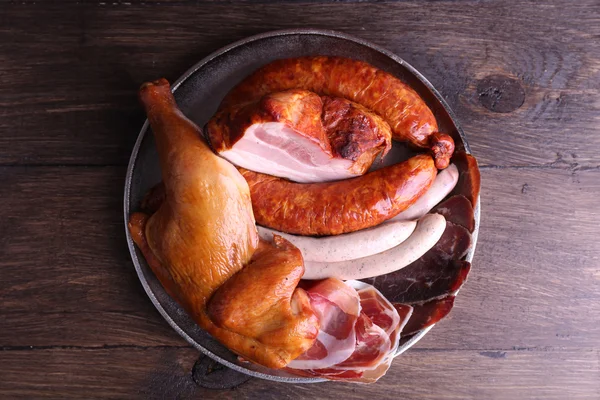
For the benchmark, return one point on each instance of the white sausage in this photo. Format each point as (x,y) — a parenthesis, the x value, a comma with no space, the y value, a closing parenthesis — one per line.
(348,246)
(442,185)
(429,230)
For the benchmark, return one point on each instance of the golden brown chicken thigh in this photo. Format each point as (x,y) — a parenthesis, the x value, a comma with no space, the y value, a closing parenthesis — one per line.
(203,235)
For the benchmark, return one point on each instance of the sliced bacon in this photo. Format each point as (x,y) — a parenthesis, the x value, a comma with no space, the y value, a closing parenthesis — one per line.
(299,135)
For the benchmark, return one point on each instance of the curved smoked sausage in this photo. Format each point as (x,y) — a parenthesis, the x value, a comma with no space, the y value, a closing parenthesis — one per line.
(333,208)
(400,106)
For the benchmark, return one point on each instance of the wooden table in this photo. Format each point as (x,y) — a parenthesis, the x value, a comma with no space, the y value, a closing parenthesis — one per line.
(524,80)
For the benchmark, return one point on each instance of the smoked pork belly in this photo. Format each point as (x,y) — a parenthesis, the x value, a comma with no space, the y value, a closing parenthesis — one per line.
(300,136)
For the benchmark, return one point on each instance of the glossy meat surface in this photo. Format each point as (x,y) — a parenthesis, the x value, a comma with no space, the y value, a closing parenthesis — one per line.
(202,237)
(261,301)
(301,136)
(436,274)
(355,132)
(339,207)
(398,104)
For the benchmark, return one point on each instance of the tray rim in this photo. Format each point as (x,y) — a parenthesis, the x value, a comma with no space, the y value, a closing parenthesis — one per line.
(176,85)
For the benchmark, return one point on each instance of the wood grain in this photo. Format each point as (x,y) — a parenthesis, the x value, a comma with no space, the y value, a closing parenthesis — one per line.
(535,254)
(159,373)
(524,81)
(69,79)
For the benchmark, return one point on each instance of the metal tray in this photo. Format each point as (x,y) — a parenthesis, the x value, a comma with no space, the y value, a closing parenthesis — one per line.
(199,92)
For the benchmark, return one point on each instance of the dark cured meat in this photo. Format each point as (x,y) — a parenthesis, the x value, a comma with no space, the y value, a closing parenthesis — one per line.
(458,210)
(469,181)
(437,274)
(427,314)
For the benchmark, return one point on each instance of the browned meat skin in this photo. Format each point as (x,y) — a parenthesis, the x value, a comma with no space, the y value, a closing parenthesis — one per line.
(354,132)
(247,304)
(442,146)
(299,109)
(339,207)
(202,237)
(399,105)
(340,127)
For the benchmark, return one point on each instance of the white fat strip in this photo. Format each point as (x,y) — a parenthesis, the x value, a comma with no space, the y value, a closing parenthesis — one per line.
(427,233)
(338,350)
(444,183)
(391,311)
(349,246)
(276,149)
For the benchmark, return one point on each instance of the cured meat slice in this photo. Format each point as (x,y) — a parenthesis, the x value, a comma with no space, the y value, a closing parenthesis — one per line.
(458,210)
(337,307)
(379,310)
(298,135)
(372,346)
(377,335)
(469,180)
(427,314)
(437,274)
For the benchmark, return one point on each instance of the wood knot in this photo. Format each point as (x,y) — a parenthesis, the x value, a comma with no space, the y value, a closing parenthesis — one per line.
(501,94)
(209,374)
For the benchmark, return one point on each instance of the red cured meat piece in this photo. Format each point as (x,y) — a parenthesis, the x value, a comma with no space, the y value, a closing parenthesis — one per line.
(458,210)
(427,314)
(469,181)
(437,274)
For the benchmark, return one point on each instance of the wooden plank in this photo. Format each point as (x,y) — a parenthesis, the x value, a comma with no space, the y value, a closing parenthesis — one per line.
(158,373)
(70,73)
(65,265)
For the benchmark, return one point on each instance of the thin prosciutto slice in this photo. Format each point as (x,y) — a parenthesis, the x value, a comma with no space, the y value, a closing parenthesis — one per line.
(377,332)
(337,306)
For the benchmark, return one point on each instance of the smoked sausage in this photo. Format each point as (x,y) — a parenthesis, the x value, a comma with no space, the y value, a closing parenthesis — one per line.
(396,102)
(334,208)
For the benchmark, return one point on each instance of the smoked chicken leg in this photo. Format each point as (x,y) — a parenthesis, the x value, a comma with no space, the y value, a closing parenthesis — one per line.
(201,244)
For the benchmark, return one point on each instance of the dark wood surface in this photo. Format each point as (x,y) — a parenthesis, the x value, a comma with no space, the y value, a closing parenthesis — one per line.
(524,80)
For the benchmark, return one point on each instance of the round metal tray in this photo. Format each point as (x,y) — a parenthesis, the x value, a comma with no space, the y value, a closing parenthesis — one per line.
(198,93)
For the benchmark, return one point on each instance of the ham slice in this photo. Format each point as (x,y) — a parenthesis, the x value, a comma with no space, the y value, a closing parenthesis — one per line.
(377,332)
(337,307)
(301,136)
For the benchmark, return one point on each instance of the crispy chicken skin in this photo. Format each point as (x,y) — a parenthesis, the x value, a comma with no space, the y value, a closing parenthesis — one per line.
(203,237)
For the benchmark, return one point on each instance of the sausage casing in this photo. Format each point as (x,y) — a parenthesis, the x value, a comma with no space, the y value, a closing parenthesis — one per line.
(401,107)
(339,207)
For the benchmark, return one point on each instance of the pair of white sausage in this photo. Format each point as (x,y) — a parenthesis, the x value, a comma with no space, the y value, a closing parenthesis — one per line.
(381,249)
